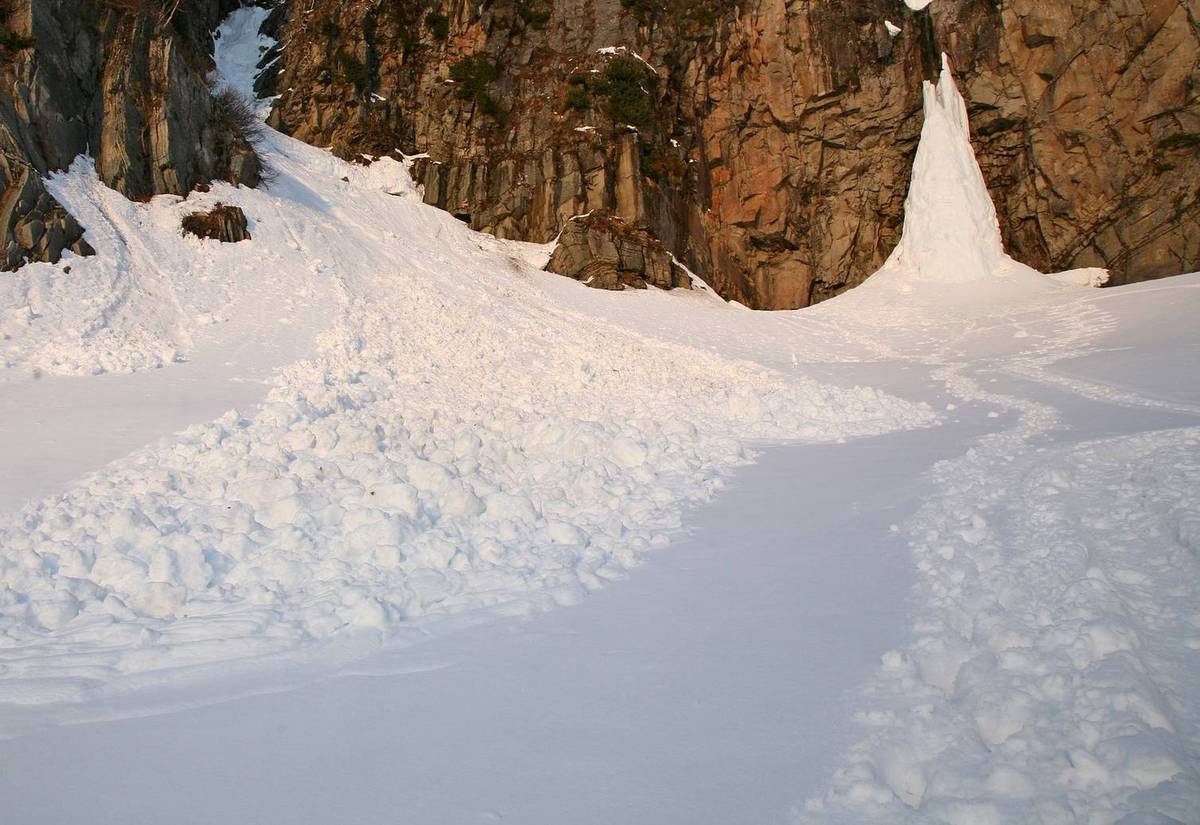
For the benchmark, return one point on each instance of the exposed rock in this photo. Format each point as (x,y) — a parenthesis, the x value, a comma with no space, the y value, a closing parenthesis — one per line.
(606,252)
(221,223)
(124,80)
(35,227)
(772,139)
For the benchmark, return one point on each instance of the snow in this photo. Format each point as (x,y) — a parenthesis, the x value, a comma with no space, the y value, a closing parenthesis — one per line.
(238,47)
(917,5)
(1056,590)
(458,443)
(610,51)
(951,234)
(982,614)
(892,28)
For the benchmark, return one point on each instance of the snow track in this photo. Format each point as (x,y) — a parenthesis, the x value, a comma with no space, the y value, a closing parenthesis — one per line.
(1046,679)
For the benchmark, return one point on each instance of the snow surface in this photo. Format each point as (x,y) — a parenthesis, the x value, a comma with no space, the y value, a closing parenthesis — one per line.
(238,47)
(450,435)
(458,443)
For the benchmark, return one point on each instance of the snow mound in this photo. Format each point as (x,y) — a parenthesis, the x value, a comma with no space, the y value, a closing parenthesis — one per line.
(458,444)
(1050,678)
(951,233)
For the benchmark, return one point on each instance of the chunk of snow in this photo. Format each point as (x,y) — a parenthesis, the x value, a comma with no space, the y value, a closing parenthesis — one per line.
(609,51)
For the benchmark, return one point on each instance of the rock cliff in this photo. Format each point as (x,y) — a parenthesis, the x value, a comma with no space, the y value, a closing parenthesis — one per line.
(766,143)
(123,80)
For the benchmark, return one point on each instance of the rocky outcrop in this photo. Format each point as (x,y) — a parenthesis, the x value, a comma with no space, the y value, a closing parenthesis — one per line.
(605,252)
(35,227)
(221,223)
(767,143)
(124,80)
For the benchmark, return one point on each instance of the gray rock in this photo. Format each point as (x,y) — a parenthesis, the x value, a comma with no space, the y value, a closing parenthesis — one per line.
(127,87)
(606,252)
(221,223)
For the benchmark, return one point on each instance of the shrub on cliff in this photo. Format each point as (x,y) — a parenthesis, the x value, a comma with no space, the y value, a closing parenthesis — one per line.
(533,15)
(474,74)
(354,70)
(234,117)
(643,10)
(622,84)
(438,25)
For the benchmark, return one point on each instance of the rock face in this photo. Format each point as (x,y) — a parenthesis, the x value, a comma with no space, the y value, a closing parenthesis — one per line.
(35,226)
(121,79)
(221,223)
(606,252)
(767,143)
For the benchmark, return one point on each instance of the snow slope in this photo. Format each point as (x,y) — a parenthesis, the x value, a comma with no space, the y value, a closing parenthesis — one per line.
(458,443)
(472,437)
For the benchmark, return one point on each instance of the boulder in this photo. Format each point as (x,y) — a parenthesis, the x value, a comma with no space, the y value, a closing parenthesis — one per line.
(606,252)
(221,223)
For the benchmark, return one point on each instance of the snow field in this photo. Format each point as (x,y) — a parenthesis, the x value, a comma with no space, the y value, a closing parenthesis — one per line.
(474,436)
(460,443)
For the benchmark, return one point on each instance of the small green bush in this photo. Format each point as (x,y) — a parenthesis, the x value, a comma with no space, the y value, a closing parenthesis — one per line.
(643,10)
(13,42)
(535,17)
(474,74)
(438,25)
(354,70)
(622,84)
(578,97)
(330,30)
